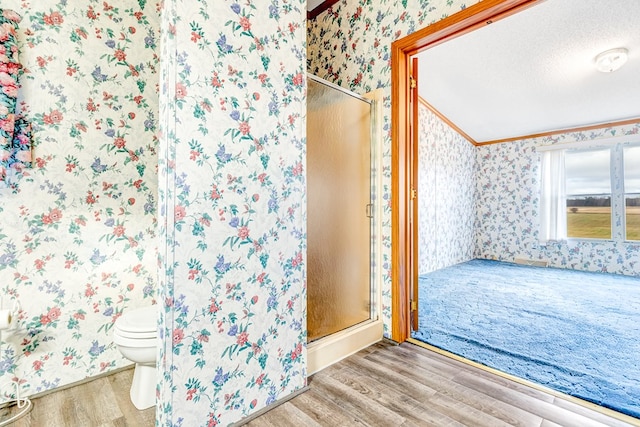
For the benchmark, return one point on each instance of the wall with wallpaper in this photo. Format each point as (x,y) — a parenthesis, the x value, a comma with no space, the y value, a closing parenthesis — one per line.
(508,198)
(232,208)
(350,45)
(77,231)
(446,194)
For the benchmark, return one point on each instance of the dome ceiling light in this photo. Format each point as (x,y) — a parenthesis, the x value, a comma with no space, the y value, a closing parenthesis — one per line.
(611,60)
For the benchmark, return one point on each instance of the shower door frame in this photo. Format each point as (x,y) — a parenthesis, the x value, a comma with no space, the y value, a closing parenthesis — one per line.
(335,347)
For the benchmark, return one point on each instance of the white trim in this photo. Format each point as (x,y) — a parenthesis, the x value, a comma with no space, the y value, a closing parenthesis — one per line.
(595,143)
(335,347)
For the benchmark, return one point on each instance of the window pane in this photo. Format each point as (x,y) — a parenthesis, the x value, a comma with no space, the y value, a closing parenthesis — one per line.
(588,187)
(632,191)
(589,217)
(587,172)
(632,170)
(633,217)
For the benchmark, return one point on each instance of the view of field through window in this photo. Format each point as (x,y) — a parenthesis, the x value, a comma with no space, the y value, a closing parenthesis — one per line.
(589,193)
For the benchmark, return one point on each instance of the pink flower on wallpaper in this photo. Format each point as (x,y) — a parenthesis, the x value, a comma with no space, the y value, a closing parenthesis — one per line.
(118,231)
(55,18)
(244,128)
(242,338)
(178,335)
(245,23)
(181,90)
(243,232)
(179,213)
(53,118)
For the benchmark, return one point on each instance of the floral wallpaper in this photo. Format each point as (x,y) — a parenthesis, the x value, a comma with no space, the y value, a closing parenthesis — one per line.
(446,194)
(78,230)
(350,45)
(232,208)
(508,198)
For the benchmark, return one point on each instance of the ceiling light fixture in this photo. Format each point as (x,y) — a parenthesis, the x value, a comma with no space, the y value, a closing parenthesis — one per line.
(611,60)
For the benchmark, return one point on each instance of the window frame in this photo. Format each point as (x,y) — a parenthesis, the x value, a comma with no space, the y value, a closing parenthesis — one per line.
(616,145)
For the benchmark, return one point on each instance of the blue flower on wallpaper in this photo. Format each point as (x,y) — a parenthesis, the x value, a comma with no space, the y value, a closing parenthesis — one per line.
(96,258)
(234,221)
(150,41)
(233,330)
(274,13)
(8,259)
(235,7)
(96,349)
(222,44)
(97,166)
(220,378)
(98,76)
(222,155)
(221,267)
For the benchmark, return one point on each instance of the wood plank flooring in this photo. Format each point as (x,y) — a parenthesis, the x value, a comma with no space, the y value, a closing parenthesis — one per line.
(102,402)
(383,385)
(406,385)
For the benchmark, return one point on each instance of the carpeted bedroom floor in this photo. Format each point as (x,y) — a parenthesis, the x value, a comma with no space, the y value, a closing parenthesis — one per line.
(575,332)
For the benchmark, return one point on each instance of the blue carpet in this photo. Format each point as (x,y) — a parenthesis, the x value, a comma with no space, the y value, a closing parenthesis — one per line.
(572,331)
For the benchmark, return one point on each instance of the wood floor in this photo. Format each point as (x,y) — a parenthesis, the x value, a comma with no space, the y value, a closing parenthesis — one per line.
(383,385)
(103,402)
(406,385)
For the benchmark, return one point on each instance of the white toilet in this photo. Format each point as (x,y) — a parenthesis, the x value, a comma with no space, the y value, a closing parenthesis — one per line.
(135,333)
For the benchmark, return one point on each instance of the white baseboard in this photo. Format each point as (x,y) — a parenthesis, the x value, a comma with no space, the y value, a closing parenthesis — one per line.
(336,347)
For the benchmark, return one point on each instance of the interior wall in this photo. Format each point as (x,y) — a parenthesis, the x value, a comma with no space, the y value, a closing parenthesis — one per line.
(77,232)
(446,194)
(350,45)
(232,208)
(508,199)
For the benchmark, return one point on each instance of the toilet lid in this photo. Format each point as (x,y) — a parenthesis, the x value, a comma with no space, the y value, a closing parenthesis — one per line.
(141,322)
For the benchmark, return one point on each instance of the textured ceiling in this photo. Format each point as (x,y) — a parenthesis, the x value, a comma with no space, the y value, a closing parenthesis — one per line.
(534,72)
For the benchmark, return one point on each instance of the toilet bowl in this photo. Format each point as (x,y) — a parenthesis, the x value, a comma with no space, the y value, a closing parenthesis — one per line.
(135,334)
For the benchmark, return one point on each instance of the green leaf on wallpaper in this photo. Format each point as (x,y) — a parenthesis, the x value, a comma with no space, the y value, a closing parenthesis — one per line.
(200,363)
(404,4)
(262,360)
(265,62)
(195,348)
(264,258)
(265,160)
(141,85)
(142,3)
(74,37)
(198,112)
(140,169)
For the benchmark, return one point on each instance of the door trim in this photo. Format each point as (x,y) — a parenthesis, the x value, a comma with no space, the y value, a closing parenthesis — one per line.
(480,14)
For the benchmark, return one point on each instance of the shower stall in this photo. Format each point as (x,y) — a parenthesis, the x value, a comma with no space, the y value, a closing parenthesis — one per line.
(342,222)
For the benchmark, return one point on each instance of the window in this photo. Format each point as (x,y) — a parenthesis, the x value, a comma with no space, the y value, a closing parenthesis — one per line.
(591,192)
(632,192)
(588,193)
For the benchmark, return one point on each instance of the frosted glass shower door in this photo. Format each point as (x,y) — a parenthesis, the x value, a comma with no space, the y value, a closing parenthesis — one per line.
(338,210)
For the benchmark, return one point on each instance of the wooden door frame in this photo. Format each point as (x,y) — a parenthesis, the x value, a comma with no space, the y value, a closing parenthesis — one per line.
(480,14)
